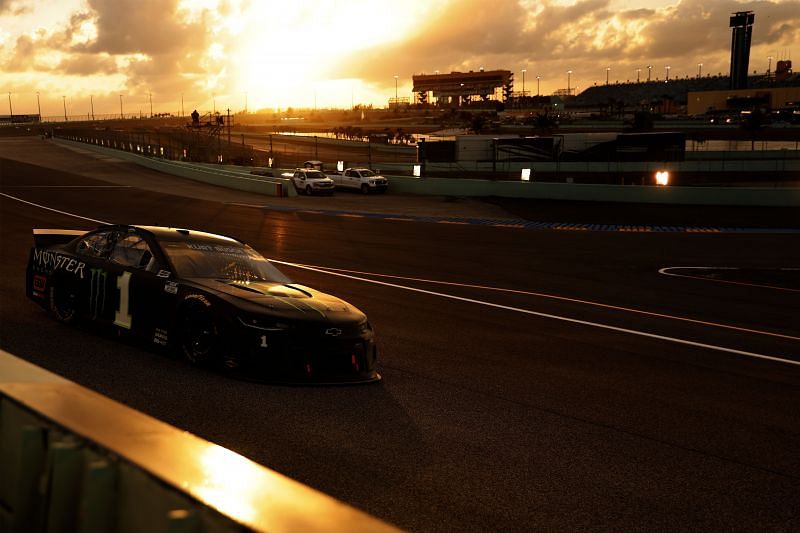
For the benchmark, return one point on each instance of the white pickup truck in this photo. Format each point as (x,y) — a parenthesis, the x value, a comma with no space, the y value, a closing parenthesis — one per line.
(360,179)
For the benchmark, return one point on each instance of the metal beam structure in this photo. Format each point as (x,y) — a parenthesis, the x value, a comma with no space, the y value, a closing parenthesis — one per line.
(463,86)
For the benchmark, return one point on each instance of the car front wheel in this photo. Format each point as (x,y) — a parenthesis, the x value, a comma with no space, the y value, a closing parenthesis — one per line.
(308,190)
(198,337)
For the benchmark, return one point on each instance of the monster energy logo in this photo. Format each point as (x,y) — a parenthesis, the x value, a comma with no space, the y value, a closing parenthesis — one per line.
(97,292)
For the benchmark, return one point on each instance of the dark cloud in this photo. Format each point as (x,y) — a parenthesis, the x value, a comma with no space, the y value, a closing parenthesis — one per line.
(23,56)
(550,39)
(635,14)
(88,64)
(14,7)
(147,27)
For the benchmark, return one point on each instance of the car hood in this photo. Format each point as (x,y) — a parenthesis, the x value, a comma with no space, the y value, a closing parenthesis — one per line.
(287,299)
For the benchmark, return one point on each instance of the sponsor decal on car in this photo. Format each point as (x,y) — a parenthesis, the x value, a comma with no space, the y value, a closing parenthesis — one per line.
(200,298)
(97,292)
(160,337)
(47,261)
(39,286)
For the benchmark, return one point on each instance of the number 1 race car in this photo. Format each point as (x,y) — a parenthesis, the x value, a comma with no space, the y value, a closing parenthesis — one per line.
(213,298)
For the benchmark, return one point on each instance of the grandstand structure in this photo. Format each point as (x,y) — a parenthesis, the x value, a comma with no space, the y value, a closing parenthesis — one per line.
(459,88)
(691,95)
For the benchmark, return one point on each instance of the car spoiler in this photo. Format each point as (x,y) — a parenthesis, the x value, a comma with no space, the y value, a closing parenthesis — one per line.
(42,238)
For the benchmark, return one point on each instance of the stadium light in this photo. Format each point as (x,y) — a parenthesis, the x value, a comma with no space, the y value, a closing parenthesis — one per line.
(662,178)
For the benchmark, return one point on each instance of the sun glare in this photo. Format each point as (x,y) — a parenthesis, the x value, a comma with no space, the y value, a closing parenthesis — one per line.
(288,61)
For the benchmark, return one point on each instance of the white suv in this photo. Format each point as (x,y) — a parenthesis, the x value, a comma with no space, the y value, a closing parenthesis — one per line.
(312,181)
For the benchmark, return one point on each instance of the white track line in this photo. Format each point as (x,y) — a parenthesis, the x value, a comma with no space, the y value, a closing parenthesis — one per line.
(547,315)
(665,269)
(567,299)
(53,210)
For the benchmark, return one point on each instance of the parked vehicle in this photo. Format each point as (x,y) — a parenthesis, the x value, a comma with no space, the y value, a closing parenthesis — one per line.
(362,179)
(312,181)
(357,178)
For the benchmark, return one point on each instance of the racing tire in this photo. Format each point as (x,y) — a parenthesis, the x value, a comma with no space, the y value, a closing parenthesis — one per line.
(365,189)
(308,190)
(64,302)
(198,337)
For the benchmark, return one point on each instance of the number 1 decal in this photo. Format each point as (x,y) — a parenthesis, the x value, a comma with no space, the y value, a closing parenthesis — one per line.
(123,317)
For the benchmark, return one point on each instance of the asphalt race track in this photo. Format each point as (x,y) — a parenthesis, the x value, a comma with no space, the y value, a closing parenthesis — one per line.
(593,393)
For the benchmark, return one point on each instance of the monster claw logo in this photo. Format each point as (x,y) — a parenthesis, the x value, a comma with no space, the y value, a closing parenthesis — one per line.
(97,292)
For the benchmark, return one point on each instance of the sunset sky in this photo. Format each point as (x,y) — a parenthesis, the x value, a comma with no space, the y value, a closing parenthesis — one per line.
(298,53)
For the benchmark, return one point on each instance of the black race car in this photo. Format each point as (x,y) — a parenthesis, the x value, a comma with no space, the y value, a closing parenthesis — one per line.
(212,297)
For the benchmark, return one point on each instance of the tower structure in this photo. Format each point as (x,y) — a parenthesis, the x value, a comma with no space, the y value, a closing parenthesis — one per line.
(742,24)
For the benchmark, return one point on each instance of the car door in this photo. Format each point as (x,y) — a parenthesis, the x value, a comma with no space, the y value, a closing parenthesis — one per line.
(139,285)
(349,180)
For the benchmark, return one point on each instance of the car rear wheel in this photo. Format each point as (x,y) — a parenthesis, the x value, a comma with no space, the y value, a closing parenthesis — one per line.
(63,302)
(308,190)
(365,189)
(198,337)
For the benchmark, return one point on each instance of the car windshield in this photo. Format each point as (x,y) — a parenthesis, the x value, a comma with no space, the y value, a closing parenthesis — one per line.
(367,173)
(315,174)
(235,262)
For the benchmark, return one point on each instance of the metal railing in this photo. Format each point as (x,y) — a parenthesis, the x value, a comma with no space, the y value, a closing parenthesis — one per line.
(73,460)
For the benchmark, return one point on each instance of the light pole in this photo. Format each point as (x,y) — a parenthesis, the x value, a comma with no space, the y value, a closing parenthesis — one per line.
(523,82)
(608,69)
(699,70)
(569,74)
(395,91)
(649,70)
(10,111)
(64,98)
(151,104)
(121,114)
(769,66)
(638,73)
(182,114)
(91,104)
(39,105)
(214,103)
(668,67)
(537,84)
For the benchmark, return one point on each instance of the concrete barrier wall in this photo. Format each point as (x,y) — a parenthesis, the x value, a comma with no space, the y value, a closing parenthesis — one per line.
(228,176)
(223,176)
(743,196)
(73,460)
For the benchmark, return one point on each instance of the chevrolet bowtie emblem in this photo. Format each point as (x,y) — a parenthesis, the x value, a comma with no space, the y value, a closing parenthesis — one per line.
(333,332)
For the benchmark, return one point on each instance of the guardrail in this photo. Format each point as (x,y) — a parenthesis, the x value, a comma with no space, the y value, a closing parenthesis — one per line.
(241,180)
(73,460)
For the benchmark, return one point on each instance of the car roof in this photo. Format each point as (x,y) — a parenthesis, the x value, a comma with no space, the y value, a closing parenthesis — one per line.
(177,234)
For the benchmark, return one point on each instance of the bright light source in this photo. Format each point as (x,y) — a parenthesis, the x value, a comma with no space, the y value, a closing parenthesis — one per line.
(662,177)
(417,172)
(340,166)
(525,175)
(269,162)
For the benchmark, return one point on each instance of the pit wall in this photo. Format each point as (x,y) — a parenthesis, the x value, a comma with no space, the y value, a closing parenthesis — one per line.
(72,460)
